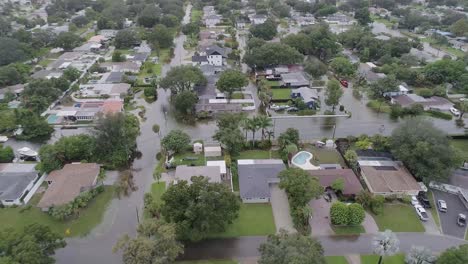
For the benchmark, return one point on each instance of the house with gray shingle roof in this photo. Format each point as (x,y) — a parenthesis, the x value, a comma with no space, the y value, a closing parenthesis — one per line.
(255,178)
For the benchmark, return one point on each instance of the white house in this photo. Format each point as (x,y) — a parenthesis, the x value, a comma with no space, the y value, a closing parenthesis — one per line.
(17,180)
(212,21)
(259,19)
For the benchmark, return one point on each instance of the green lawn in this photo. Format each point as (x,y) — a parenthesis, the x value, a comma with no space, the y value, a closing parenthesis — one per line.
(336,260)
(373,259)
(399,218)
(433,210)
(150,69)
(325,156)
(259,154)
(88,218)
(208,262)
(188,158)
(157,190)
(281,94)
(381,107)
(196,15)
(237,96)
(348,230)
(461,145)
(253,220)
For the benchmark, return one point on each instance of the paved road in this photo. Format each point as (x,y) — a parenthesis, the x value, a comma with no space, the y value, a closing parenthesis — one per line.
(246,247)
(121,216)
(448,220)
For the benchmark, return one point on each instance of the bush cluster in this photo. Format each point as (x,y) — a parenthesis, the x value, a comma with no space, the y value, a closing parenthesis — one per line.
(64,212)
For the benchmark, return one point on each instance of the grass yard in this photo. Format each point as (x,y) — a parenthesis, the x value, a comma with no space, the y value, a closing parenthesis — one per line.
(325,156)
(348,230)
(151,69)
(372,259)
(19,217)
(259,154)
(380,107)
(433,210)
(399,218)
(189,158)
(196,15)
(208,262)
(157,190)
(253,220)
(281,94)
(461,145)
(237,96)
(336,260)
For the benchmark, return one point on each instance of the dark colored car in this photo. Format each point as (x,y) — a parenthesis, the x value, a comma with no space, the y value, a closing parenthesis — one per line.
(422,198)
(344,83)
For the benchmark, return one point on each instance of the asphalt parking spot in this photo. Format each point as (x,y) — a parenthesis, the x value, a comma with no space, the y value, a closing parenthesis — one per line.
(448,220)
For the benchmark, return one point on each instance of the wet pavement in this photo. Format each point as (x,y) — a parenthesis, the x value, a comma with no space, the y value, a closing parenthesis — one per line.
(247,247)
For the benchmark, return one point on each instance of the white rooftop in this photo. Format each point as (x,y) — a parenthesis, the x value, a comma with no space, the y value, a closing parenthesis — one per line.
(220,163)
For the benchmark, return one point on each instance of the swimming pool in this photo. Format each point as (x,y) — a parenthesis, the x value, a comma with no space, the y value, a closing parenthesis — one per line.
(52,119)
(302,160)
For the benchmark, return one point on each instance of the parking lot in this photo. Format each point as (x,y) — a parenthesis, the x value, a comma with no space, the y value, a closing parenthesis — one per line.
(448,220)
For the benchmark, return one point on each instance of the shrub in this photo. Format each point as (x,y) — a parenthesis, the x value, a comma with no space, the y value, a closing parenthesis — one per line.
(425,92)
(264,144)
(356,214)
(406,199)
(364,198)
(6,154)
(338,185)
(377,203)
(439,114)
(339,213)
(156,128)
(352,158)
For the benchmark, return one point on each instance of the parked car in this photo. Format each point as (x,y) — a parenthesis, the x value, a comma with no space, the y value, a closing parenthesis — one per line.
(442,205)
(455,111)
(422,214)
(344,83)
(423,200)
(279,107)
(414,200)
(461,220)
(292,109)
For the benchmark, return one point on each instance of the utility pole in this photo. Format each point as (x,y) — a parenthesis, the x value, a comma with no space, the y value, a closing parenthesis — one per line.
(137,215)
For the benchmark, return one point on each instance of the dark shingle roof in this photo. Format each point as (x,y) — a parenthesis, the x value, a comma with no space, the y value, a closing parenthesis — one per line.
(256,175)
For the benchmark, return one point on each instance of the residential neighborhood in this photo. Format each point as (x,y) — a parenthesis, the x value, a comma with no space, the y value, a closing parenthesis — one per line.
(234,132)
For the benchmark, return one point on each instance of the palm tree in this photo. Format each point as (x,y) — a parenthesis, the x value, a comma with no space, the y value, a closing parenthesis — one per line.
(263,123)
(290,150)
(252,125)
(270,134)
(245,124)
(463,107)
(385,244)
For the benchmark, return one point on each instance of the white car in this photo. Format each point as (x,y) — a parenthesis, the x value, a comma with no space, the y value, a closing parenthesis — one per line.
(414,200)
(455,111)
(442,205)
(422,214)
(279,107)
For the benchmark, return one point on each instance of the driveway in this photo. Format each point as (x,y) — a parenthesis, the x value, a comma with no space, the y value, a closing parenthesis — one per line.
(280,206)
(320,220)
(448,220)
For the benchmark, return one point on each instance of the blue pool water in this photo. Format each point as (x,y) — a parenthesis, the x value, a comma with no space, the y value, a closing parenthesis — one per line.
(302,158)
(52,119)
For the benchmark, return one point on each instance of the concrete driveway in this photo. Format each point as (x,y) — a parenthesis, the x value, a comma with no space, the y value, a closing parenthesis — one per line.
(280,207)
(320,220)
(448,220)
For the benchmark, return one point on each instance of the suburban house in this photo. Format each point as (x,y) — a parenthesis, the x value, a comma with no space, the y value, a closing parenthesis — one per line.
(125,66)
(402,89)
(47,74)
(108,33)
(241,23)
(326,177)
(66,184)
(255,178)
(221,164)
(16,182)
(258,19)
(431,103)
(212,20)
(102,90)
(460,43)
(185,173)
(210,108)
(388,177)
(89,47)
(211,55)
(340,19)
(309,96)
(81,61)
(84,111)
(365,71)
(294,80)
(15,90)
(304,21)
(112,77)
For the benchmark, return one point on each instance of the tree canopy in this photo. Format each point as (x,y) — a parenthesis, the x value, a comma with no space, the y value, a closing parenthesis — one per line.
(333,93)
(271,54)
(424,149)
(230,81)
(291,248)
(454,255)
(35,244)
(266,31)
(183,78)
(229,133)
(199,209)
(176,141)
(299,186)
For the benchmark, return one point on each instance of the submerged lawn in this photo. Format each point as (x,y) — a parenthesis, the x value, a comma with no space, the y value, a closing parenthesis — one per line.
(19,217)
(253,220)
